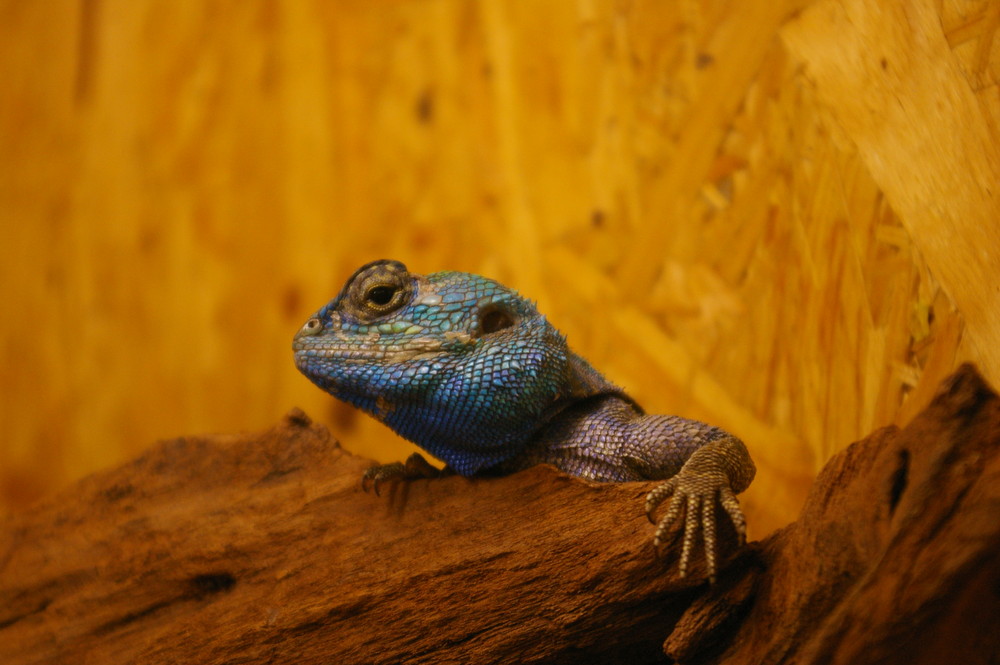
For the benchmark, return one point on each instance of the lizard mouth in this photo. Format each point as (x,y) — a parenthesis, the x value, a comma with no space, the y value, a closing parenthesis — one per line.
(374,348)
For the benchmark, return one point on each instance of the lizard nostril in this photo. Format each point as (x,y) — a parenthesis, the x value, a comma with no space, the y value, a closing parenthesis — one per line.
(312,327)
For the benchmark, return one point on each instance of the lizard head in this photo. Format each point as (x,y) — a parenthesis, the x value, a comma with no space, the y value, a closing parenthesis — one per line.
(457,363)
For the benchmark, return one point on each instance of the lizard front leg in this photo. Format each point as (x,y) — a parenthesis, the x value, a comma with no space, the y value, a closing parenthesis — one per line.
(715,472)
(413,468)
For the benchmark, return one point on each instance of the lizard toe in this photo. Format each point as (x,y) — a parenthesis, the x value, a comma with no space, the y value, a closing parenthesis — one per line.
(376,475)
(658,496)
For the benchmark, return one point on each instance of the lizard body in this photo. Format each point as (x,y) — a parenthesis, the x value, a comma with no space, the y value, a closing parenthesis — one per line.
(471,372)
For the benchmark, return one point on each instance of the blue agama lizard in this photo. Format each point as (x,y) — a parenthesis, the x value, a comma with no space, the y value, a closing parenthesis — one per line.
(471,372)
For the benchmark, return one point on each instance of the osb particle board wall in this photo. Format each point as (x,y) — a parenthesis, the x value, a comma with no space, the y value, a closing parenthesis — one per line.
(778,216)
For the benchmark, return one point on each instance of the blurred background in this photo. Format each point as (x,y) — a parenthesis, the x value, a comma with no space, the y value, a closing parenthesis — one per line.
(779,216)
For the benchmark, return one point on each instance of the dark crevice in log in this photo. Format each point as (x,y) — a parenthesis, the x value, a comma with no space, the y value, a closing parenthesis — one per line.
(899,478)
(212,583)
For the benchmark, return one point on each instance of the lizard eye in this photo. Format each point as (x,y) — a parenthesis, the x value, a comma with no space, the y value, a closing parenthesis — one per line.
(377,290)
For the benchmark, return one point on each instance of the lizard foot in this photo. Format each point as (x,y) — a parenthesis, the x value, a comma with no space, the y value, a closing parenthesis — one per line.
(694,494)
(414,468)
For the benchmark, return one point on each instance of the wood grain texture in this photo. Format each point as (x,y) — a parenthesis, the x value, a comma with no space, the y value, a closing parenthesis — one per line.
(887,74)
(182,184)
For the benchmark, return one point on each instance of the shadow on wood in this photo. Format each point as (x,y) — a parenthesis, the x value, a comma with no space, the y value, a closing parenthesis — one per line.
(263,548)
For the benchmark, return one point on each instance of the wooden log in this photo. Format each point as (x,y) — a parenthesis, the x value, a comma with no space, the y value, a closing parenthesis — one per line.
(894,559)
(264,548)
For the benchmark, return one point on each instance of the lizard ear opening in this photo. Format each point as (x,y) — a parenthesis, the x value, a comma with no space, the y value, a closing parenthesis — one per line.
(493,319)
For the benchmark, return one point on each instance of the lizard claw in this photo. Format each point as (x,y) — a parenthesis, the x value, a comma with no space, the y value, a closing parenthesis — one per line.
(380,473)
(694,494)
(415,467)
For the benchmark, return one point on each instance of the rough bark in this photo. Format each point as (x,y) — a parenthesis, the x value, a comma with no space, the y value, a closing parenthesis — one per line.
(894,559)
(263,548)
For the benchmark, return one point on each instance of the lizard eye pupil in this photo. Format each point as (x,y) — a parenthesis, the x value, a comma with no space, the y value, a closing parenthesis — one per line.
(380,295)
(495,319)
